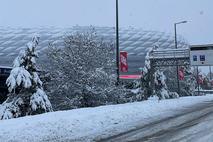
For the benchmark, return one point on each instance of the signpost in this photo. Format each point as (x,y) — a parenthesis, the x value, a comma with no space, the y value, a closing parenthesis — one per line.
(201,55)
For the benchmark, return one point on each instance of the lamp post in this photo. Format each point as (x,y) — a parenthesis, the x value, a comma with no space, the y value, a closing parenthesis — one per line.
(117,44)
(175,26)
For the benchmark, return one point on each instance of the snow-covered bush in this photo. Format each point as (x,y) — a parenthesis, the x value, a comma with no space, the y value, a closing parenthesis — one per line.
(26,96)
(82,72)
(206,83)
(135,90)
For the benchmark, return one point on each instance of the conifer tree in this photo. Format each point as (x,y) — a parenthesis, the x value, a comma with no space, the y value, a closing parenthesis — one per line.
(147,76)
(26,95)
(161,89)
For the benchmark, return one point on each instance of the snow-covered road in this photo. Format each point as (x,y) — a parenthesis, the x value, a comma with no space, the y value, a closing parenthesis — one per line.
(194,124)
(93,124)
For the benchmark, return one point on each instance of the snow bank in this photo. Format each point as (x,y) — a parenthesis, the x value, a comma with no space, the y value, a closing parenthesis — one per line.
(89,123)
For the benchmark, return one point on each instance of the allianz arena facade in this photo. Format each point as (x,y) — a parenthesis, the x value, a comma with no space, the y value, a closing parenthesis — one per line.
(136,42)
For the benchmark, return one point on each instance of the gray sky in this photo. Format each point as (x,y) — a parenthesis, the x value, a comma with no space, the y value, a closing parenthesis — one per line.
(157,15)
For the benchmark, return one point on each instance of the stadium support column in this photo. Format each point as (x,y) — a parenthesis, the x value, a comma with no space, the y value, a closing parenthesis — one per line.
(117,44)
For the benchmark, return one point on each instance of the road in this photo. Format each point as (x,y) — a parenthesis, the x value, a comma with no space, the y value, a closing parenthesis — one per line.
(194,124)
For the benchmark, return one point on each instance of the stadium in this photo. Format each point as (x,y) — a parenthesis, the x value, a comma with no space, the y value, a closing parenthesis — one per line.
(135,41)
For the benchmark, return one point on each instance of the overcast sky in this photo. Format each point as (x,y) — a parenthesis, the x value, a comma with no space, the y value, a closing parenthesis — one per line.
(157,15)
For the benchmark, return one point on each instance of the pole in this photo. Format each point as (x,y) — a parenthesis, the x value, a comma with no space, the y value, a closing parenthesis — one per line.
(210,70)
(175,35)
(117,44)
(198,85)
(177,69)
(178,83)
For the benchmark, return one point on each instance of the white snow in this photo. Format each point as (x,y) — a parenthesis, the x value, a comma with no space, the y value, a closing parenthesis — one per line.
(170,53)
(10,110)
(39,100)
(6,67)
(135,91)
(17,77)
(89,123)
(36,78)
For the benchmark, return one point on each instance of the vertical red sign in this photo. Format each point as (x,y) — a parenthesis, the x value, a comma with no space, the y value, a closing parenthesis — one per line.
(123,61)
(200,79)
(181,74)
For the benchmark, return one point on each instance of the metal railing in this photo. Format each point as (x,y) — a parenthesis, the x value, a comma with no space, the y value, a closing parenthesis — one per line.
(203,92)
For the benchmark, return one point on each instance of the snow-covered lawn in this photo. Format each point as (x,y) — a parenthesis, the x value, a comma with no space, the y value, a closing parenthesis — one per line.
(89,123)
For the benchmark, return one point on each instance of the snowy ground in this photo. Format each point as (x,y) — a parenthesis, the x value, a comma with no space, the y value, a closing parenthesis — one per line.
(91,123)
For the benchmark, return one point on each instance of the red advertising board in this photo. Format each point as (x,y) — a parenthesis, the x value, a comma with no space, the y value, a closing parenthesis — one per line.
(123,61)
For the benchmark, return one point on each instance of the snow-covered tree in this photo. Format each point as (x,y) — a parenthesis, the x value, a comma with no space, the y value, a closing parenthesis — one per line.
(189,83)
(82,72)
(161,89)
(26,96)
(146,77)
(154,81)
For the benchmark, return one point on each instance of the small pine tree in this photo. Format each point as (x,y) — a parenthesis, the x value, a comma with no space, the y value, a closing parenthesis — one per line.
(189,82)
(161,89)
(26,95)
(146,77)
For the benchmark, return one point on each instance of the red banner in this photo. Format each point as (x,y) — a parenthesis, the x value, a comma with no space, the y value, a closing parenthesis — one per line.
(123,61)
(200,79)
(181,74)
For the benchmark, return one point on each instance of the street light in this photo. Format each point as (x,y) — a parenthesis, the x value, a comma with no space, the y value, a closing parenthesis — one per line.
(175,26)
(117,44)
